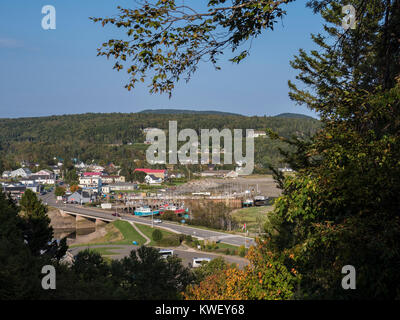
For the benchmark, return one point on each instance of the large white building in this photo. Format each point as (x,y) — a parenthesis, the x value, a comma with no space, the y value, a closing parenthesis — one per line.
(90,182)
(21,172)
(41,177)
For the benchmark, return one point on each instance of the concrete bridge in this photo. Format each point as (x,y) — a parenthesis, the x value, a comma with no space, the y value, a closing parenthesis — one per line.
(84,221)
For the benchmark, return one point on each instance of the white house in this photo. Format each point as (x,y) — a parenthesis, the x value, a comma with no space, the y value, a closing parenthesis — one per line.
(257,134)
(146,130)
(121,186)
(151,179)
(285,169)
(81,196)
(231,174)
(90,182)
(41,177)
(21,172)
(6,174)
(80,165)
(56,170)
(45,172)
(96,168)
(112,179)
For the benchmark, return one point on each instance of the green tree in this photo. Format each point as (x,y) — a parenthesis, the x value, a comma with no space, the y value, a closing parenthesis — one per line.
(168,39)
(214,266)
(17,281)
(341,208)
(139,176)
(59,191)
(71,177)
(147,276)
(36,224)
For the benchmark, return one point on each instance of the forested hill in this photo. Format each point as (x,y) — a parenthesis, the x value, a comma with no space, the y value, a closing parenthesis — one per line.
(118,137)
(183,111)
(293,116)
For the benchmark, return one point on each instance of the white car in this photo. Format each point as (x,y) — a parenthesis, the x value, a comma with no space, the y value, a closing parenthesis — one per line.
(198,262)
(165,253)
(157,221)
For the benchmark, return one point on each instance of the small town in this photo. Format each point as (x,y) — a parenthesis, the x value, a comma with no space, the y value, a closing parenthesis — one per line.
(198,158)
(161,198)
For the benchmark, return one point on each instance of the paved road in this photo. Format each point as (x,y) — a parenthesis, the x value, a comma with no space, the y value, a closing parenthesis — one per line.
(235,240)
(186,255)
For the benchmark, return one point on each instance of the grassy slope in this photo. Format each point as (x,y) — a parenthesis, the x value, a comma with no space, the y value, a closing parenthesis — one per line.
(118,232)
(147,230)
(250,216)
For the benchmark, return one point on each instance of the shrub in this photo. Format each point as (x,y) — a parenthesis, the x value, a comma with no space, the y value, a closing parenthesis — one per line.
(171,240)
(157,235)
(242,251)
(188,238)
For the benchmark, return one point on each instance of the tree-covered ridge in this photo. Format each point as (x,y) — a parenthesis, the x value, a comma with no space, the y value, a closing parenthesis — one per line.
(108,137)
(185,111)
(293,115)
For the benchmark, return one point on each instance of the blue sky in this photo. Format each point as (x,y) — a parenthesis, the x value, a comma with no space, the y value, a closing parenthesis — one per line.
(57,71)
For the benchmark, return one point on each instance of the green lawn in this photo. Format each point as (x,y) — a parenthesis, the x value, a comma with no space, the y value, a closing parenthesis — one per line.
(219,247)
(148,230)
(129,233)
(254,217)
(123,228)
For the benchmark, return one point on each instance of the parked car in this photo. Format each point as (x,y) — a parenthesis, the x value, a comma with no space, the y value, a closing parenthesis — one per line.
(165,253)
(198,262)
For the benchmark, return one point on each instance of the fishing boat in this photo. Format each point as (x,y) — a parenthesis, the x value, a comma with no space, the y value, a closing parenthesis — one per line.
(248,203)
(145,211)
(174,209)
(261,201)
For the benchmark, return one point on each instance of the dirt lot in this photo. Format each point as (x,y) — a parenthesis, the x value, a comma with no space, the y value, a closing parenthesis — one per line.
(260,184)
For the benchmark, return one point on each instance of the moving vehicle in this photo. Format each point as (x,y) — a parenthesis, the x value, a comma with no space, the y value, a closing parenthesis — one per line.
(198,262)
(165,253)
(157,221)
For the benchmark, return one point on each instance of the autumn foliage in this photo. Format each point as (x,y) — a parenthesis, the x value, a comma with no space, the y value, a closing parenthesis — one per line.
(266,277)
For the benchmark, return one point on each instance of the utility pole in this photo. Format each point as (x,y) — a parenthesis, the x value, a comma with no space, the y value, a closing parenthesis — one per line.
(245,242)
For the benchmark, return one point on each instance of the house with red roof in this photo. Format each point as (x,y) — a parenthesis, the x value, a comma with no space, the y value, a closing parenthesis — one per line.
(92,174)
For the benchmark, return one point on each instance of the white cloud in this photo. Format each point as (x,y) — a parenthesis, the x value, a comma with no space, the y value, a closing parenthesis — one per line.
(9,43)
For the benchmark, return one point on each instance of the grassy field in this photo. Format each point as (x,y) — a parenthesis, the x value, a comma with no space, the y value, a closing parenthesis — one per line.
(118,232)
(129,233)
(254,217)
(147,230)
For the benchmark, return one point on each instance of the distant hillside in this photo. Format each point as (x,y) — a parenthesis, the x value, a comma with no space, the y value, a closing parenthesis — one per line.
(119,137)
(183,111)
(293,116)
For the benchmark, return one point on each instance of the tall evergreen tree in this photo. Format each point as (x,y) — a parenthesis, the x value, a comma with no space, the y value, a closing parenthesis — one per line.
(342,207)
